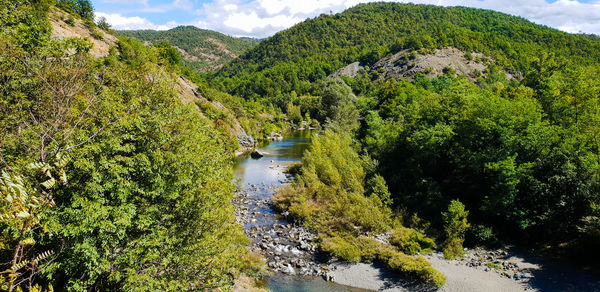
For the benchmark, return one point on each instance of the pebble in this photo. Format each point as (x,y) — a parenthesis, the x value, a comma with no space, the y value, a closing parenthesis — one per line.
(287,248)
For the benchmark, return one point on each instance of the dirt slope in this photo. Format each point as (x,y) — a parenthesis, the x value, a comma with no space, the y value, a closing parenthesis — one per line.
(68,26)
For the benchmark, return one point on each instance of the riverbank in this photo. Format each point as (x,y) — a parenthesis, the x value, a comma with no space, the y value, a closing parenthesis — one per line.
(295,263)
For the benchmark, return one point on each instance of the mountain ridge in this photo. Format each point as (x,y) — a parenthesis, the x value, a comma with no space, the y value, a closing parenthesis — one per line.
(313,49)
(202,50)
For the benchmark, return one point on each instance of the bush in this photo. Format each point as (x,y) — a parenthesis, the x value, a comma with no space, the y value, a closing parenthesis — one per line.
(449,71)
(102,23)
(70,21)
(468,56)
(410,241)
(295,169)
(293,113)
(337,195)
(455,227)
(356,249)
(481,235)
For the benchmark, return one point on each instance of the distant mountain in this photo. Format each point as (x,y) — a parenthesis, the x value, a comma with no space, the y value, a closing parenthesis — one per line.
(202,50)
(316,48)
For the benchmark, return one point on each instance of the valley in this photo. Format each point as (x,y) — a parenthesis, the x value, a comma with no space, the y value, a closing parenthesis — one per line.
(388,147)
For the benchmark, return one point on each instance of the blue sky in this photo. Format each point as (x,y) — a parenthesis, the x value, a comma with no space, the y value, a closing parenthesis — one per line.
(262,18)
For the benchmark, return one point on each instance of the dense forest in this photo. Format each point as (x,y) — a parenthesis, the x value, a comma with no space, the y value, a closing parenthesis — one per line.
(108,180)
(202,49)
(112,179)
(518,147)
(292,59)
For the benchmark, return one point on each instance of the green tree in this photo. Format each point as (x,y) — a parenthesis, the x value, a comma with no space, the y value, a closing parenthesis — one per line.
(102,23)
(455,228)
(338,105)
(169,54)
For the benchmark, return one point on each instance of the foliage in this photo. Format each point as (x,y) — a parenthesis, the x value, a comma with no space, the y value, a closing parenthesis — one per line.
(455,227)
(83,8)
(338,196)
(108,181)
(169,54)
(528,174)
(356,249)
(102,23)
(410,241)
(292,59)
(207,50)
(481,235)
(337,106)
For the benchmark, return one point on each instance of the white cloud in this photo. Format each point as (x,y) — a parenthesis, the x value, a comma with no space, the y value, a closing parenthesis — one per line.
(262,18)
(183,4)
(119,22)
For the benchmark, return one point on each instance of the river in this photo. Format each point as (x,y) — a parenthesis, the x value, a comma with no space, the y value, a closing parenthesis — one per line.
(257,179)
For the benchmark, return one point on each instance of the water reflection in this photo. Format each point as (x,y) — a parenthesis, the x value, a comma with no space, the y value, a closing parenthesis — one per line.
(278,154)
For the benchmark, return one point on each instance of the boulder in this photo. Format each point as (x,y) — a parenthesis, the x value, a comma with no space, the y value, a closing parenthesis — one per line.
(256,155)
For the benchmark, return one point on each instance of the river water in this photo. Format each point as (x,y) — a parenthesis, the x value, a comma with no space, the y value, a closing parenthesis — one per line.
(258,178)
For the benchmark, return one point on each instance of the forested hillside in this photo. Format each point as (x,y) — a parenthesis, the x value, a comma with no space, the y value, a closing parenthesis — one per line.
(446,126)
(112,177)
(292,59)
(516,143)
(202,50)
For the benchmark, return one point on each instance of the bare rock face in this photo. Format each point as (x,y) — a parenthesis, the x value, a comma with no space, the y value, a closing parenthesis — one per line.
(188,92)
(348,71)
(406,65)
(78,29)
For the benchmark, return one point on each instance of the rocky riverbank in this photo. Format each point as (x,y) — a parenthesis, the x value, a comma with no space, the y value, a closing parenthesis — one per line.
(289,250)
(287,247)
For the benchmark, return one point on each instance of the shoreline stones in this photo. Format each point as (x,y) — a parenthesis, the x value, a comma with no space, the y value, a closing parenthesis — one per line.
(498,261)
(274,136)
(288,248)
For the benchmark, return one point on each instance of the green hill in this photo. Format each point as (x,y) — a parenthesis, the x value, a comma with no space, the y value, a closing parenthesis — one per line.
(516,140)
(202,50)
(311,50)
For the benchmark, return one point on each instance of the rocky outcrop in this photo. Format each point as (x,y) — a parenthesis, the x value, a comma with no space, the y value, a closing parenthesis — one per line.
(348,71)
(407,64)
(67,26)
(274,136)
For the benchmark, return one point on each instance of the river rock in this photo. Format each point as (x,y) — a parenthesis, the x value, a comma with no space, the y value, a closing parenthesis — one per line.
(256,154)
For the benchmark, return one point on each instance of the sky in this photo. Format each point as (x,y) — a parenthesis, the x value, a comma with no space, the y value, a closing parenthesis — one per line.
(263,18)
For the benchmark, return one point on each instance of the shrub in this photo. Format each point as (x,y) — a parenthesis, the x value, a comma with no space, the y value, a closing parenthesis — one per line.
(356,249)
(97,35)
(481,235)
(337,195)
(410,241)
(455,227)
(295,169)
(102,23)
(70,21)
(449,71)
(342,248)
(468,56)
